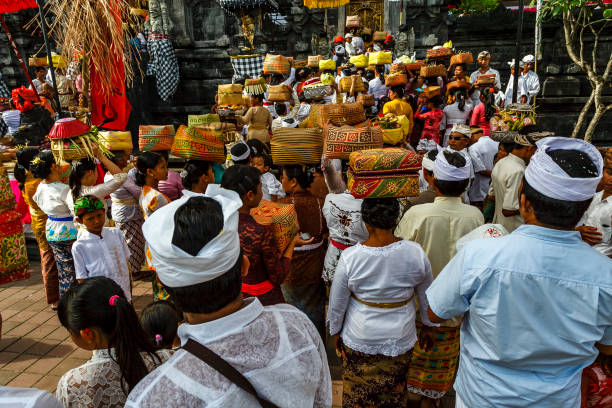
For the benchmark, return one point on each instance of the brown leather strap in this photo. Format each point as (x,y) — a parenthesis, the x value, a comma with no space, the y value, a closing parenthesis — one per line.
(224,368)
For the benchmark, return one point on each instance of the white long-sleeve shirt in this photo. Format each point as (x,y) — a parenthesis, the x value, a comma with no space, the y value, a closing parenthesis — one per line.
(389,274)
(510,88)
(277,348)
(531,85)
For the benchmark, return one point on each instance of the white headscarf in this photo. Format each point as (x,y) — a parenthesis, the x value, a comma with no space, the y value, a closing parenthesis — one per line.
(447,172)
(175,267)
(427,163)
(463,129)
(546,177)
(427,144)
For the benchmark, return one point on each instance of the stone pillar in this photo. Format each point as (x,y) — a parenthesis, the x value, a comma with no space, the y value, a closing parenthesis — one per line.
(341,20)
(386,25)
(180,18)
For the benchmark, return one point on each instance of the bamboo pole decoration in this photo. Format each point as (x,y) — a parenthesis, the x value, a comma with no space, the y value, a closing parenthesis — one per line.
(18,54)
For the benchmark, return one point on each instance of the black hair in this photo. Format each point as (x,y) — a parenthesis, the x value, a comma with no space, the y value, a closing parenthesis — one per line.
(431,155)
(160,320)
(276,79)
(369,75)
(507,147)
(197,222)
(38,69)
(24,157)
(88,305)
(79,169)
(460,96)
(399,90)
(116,155)
(380,213)
(381,72)
(259,97)
(42,168)
(561,213)
(241,179)
(267,160)
(303,174)
(525,130)
(464,66)
(164,153)
(489,102)
(257,147)
(436,100)
(193,171)
(238,150)
(146,161)
(280,108)
(452,188)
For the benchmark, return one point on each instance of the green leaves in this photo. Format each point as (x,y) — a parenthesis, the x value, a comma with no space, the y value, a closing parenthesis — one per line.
(475,6)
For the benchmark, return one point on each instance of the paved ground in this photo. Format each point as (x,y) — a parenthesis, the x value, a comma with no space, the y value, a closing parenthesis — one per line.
(35,350)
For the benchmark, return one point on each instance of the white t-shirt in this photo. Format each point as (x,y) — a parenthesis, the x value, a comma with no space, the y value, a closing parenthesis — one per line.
(106,256)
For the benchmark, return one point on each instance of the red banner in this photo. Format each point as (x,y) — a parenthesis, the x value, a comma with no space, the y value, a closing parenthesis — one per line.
(110,111)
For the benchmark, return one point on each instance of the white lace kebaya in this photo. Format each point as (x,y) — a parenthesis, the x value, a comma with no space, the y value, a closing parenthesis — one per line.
(97,383)
(389,274)
(277,348)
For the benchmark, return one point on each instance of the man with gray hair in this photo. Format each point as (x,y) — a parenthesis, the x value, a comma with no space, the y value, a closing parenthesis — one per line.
(484,59)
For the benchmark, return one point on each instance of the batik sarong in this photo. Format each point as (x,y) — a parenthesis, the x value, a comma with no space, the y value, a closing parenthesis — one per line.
(432,373)
(62,250)
(374,380)
(132,232)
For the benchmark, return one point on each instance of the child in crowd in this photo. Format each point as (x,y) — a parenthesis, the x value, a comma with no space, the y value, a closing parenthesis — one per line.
(171,186)
(271,188)
(100,318)
(100,251)
(160,320)
(197,175)
(151,168)
(431,115)
(241,153)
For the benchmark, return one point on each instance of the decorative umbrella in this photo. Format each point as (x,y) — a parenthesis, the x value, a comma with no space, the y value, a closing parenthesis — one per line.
(325,4)
(13,6)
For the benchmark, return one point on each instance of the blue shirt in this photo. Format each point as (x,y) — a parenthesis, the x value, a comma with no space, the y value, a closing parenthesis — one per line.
(535,302)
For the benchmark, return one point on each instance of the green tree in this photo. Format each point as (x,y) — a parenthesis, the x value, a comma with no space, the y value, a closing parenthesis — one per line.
(582,28)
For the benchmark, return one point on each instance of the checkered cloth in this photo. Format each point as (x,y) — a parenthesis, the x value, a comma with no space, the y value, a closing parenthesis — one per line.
(3,127)
(4,91)
(163,65)
(247,66)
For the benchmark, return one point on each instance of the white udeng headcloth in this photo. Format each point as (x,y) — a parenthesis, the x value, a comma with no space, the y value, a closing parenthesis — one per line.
(427,163)
(447,172)
(546,177)
(175,267)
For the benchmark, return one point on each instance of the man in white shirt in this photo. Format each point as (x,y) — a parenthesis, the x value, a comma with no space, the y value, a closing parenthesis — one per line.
(195,249)
(510,86)
(351,51)
(595,224)
(40,80)
(531,81)
(482,152)
(506,179)
(484,59)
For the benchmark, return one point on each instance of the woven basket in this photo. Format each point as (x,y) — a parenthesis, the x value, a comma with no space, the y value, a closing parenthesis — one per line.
(279,93)
(38,62)
(327,65)
(379,36)
(485,80)
(366,100)
(399,67)
(155,137)
(396,79)
(225,131)
(282,218)
(439,53)
(192,143)
(428,71)
(504,136)
(296,146)
(276,64)
(384,173)
(317,91)
(353,21)
(451,86)
(317,118)
(346,82)
(360,61)
(229,88)
(340,142)
(345,113)
(68,149)
(431,91)
(196,120)
(230,99)
(462,58)
(380,58)
(313,61)
(115,140)
(414,66)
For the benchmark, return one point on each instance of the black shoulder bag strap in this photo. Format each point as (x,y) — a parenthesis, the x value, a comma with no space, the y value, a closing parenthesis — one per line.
(224,368)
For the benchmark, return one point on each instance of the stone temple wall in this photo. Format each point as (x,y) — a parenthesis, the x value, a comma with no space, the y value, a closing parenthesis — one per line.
(205,37)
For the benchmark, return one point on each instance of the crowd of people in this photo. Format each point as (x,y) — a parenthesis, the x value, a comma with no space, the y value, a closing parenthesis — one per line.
(492,281)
